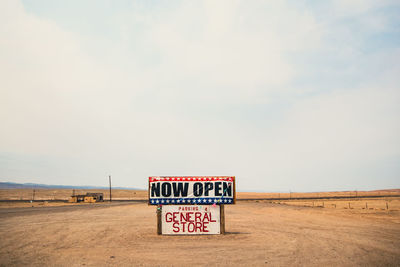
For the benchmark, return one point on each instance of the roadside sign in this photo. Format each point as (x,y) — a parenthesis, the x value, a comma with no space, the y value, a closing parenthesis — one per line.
(200,190)
(190,220)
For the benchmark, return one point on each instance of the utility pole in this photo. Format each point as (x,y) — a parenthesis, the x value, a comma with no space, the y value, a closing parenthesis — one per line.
(109,179)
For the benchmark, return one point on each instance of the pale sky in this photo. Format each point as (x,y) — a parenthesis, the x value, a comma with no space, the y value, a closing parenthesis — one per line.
(284,95)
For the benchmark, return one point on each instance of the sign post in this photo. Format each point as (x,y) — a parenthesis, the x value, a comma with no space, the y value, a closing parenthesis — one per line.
(191,205)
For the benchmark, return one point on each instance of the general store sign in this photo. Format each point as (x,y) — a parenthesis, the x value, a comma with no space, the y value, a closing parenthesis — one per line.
(176,190)
(190,219)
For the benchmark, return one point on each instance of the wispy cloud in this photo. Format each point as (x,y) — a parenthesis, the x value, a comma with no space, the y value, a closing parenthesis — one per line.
(284,95)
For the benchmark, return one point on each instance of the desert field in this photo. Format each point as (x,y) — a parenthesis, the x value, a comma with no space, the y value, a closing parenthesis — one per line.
(259,233)
(119,194)
(353,200)
(64,194)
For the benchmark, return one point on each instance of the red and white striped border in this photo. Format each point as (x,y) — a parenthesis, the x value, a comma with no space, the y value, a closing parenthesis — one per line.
(190,178)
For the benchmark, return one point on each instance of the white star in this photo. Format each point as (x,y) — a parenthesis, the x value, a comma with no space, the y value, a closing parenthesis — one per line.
(183,201)
(204,200)
(173,201)
(209,200)
(162,201)
(230,200)
(157,201)
(167,201)
(225,200)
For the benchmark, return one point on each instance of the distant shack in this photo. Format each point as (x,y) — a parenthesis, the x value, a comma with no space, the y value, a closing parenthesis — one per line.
(88,198)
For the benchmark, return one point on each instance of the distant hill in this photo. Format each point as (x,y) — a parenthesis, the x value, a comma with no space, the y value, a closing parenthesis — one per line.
(9,185)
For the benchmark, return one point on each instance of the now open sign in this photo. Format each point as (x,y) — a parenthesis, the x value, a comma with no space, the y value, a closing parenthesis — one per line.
(177,190)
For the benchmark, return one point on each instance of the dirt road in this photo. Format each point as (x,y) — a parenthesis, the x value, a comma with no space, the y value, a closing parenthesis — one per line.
(62,207)
(258,234)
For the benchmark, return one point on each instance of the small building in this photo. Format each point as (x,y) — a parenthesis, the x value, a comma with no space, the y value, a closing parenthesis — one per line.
(88,198)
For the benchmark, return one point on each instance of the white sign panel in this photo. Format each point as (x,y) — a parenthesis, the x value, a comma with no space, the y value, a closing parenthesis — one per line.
(190,220)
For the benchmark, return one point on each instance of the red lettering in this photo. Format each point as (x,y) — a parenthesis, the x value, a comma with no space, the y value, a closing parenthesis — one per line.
(205,230)
(190,220)
(206,217)
(189,217)
(175,214)
(211,220)
(166,217)
(190,224)
(176,227)
(184,217)
(197,216)
(198,226)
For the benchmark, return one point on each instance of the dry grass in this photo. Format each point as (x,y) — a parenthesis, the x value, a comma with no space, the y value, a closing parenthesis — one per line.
(362,205)
(390,192)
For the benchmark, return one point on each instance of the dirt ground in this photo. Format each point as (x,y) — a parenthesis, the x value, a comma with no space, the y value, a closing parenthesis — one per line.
(259,234)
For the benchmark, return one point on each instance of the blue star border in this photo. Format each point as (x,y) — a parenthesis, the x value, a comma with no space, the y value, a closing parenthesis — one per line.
(177,201)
